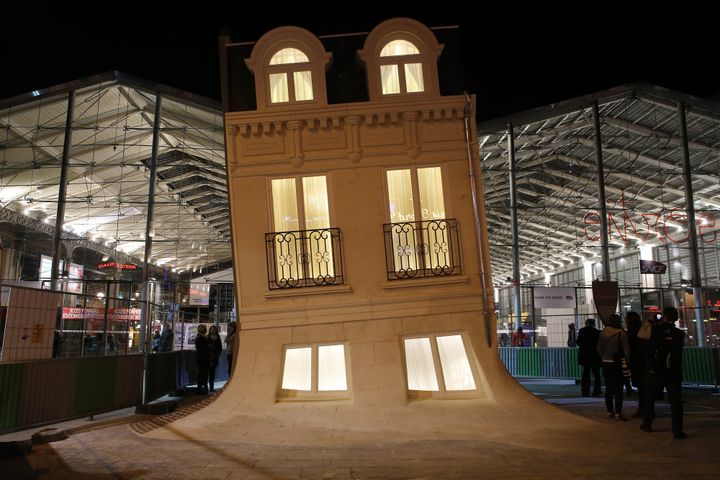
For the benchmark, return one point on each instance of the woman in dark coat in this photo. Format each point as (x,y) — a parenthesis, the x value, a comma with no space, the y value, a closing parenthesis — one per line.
(215,351)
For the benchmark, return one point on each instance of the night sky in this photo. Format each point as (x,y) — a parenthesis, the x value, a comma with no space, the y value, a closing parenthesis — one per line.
(517,57)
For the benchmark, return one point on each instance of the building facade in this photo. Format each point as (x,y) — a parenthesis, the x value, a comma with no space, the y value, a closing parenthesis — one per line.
(361,266)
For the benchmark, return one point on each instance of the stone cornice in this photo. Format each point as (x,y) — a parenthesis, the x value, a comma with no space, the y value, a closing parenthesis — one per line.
(349,131)
(331,116)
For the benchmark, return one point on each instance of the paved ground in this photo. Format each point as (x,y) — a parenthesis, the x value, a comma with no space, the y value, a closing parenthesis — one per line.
(581,444)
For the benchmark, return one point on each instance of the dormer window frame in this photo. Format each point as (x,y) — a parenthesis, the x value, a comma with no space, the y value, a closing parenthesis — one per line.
(428,52)
(400,61)
(289,69)
(275,41)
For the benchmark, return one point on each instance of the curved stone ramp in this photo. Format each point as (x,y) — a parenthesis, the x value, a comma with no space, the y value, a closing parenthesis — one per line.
(148,424)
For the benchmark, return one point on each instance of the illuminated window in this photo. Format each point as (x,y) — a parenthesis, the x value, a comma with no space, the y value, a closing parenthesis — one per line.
(417,211)
(438,363)
(401,68)
(301,219)
(290,76)
(315,370)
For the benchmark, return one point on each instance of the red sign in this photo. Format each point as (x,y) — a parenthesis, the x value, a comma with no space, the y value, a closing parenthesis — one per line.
(114,314)
(620,224)
(121,266)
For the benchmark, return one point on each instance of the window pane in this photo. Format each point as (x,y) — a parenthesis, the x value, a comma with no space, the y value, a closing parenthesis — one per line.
(285,209)
(287,247)
(296,374)
(400,196)
(414,77)
(331,368)
(317,216)
(278,88)
(455,365)
(432,204)
(316,202)
(390,79)
(288,55)
(420,366)
(303,85)
(399,47)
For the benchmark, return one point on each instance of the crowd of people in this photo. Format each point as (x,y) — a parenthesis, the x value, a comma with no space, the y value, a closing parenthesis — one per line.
(208,351)
(647,354)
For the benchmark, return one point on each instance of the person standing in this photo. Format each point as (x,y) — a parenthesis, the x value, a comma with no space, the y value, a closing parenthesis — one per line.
(572,338)
(664,369)
(637,366)
(215,351)
(612,344)
(202,357)
(518,337)
(230,344)
(166,338)
(589,358)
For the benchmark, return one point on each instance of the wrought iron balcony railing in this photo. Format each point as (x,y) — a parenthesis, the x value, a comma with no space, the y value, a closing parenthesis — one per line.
(304,258)
(422,249)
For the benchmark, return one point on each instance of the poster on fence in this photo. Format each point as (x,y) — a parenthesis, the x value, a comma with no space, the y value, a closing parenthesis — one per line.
(552,297)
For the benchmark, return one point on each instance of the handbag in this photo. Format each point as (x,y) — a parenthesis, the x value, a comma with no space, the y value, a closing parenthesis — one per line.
(622,361)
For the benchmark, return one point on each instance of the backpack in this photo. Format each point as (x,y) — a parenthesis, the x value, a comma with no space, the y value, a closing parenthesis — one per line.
(660,357)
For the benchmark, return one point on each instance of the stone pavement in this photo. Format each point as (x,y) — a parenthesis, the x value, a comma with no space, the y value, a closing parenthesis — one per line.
(482,440)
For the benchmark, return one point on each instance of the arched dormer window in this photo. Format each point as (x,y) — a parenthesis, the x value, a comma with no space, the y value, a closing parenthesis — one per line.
(290,76)
(289,67)
(401,68)
(401,57)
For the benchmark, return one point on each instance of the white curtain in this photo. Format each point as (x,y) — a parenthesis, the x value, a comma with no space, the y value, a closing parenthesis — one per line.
(278,88)
(317,216)
(455,366)
(414,78)
(400,198)
(390,79)
(285,208)
(286,219)
(331,368)
(432,204)
(432,208)
(297,370)
(303,85)
(420,366)
(317,213)
(398,48)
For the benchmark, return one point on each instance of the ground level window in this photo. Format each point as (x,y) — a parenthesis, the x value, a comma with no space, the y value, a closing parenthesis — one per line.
(315,371)
(438,363)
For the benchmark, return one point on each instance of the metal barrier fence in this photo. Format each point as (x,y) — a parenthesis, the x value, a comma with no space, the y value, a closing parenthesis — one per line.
(33,393)
(701,366)
(38,392)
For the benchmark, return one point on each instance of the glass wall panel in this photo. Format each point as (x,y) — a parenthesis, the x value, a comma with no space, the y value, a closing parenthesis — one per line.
(32,136)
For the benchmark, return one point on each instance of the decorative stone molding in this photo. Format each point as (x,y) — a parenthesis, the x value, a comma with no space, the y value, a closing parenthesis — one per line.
(263,137)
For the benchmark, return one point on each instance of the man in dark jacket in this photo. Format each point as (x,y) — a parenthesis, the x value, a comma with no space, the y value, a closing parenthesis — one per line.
(664,369)
(202,355)
(588,357)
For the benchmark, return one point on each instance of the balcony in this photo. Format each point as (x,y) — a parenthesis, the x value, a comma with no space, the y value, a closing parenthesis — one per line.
(304,258)
(422,249)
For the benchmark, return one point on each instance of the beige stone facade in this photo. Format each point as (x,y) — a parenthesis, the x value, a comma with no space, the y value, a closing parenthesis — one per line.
(353,145)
